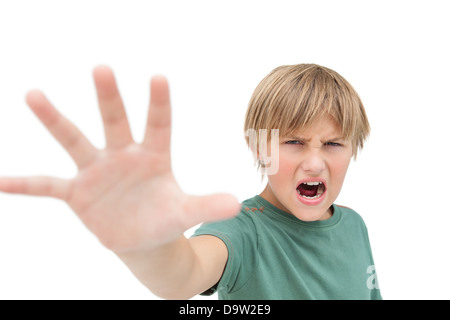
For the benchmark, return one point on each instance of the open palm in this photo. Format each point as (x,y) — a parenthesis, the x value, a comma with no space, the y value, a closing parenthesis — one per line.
(126,193)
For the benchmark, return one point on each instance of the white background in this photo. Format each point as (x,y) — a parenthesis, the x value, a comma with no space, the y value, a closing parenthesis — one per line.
(395,53)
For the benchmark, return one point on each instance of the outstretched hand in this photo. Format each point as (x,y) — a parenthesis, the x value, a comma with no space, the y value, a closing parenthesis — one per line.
(126,193)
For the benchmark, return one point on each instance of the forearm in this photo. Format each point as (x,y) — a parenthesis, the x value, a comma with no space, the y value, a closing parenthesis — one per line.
(167,271)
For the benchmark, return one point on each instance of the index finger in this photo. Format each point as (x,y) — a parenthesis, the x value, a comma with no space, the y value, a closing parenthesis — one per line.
(157,134)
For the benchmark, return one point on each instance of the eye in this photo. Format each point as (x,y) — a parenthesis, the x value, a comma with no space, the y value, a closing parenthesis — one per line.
(333,144)
(294,142)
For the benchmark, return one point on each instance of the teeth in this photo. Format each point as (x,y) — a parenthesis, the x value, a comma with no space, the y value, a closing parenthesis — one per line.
(316,183)
(315,197)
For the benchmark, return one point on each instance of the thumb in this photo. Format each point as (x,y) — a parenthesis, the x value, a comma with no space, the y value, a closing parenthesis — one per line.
(210,208)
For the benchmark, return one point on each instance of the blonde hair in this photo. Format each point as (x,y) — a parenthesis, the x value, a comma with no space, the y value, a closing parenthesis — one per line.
(293,97)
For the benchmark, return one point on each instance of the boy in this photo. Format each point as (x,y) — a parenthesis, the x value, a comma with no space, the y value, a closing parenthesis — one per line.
(289,242)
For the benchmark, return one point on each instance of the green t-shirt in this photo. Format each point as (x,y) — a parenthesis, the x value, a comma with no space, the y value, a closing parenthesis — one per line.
(273,255)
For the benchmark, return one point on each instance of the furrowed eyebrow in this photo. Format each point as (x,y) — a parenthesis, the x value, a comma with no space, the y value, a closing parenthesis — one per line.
(339,138)
(292,137)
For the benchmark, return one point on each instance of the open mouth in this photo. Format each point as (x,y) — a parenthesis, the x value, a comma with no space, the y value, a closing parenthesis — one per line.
(311,190)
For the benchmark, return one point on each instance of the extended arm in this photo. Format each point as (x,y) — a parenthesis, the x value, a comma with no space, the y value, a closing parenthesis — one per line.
(127,196)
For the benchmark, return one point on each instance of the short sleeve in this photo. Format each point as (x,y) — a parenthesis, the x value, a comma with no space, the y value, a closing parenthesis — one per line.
(240,237)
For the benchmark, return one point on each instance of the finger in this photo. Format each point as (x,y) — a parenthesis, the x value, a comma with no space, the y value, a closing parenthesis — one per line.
(116,126)
(37,186)
(157,134)
(68,135)
(209,208)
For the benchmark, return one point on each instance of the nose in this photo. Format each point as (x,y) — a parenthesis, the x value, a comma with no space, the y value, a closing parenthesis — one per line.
(313,162)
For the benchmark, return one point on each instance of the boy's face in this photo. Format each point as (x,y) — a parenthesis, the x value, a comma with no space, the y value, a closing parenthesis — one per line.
(311,170)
